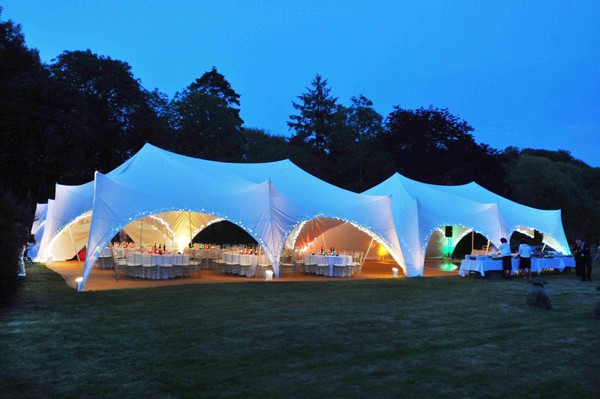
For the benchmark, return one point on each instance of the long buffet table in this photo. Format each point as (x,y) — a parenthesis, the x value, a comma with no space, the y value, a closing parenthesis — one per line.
(485,264)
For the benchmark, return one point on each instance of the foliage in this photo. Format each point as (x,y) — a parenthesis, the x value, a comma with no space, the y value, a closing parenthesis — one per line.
(543,183)
(263,147)
(426,144)
(23,111)
(355,160)
(112,102)
(13,222)
(317,117)
(206,123)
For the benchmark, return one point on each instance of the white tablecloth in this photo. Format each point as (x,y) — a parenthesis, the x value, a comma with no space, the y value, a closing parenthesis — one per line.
(105,259)
(164,264)
(331,261)
(537,265)
(248,263)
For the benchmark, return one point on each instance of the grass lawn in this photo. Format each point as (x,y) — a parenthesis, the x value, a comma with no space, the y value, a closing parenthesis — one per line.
(442,337)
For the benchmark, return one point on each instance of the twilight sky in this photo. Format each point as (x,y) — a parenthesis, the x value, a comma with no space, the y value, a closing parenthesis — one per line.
(522,73)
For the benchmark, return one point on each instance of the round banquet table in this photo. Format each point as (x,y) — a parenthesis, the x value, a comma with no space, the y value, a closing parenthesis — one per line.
(331,261)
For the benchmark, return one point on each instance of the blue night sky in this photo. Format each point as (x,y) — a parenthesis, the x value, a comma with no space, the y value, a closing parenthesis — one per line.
(522,73)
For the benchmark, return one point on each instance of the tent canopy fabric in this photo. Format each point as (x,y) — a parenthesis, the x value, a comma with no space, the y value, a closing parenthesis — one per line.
(159,196)
(37,229)
(266,200)
(470,207)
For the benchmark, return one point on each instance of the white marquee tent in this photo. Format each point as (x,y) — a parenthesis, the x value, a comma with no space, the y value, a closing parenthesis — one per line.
(270,201)
(165,197)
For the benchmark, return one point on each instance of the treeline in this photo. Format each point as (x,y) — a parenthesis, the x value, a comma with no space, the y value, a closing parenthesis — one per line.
(60,122)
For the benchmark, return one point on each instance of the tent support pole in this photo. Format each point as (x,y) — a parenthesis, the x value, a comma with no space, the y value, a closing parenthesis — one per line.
(190,224)
(472,240)
(362,261)
(141,233)
(74,246)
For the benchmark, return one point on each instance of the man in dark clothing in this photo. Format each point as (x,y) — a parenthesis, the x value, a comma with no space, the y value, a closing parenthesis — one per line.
(583,260)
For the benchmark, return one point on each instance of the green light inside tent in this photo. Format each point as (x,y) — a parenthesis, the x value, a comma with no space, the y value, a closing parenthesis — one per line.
(448,267)
(449,248)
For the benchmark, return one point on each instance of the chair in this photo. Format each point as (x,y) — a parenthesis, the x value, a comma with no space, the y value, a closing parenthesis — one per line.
(322,266)
(178,268)
(287,264)
(134,265)
(356,268)
(246,266)
(339,270)
(204,259)
(150,269)
(105,260)
(166,267)
(194,265)
(357,263)
(120,266)
(183,266)
(188,269)
(231,264)
(262,265)
(218,262)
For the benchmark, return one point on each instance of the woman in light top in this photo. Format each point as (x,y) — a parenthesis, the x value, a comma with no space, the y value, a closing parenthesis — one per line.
(504,250)
(525,259)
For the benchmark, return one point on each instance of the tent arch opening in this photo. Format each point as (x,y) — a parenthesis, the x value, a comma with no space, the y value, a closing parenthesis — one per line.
(445,238)
(462,240)
(326,232)
(68,240)
(546,239)
(173,227)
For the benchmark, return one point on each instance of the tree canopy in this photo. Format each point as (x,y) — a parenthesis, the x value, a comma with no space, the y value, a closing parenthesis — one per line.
(206,122)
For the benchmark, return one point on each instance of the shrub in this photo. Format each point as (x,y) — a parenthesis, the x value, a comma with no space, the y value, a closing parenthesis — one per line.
(13,235)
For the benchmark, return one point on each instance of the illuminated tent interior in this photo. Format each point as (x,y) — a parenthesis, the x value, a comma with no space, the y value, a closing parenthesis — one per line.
(160,197)
(325,233)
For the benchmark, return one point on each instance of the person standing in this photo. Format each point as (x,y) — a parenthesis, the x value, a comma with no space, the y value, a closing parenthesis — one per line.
(525,259)
(583,260)
(597,256)
(504,250)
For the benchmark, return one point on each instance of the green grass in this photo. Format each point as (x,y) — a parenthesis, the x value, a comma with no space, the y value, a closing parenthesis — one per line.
(447,337)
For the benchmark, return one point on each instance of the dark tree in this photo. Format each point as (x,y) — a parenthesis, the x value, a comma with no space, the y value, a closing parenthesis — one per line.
(263,147)
(316,119)
(542,182)
(319,115)
(112,104)
(370,163)
(24,112)
(206,122)
(432,145)
(161,132)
